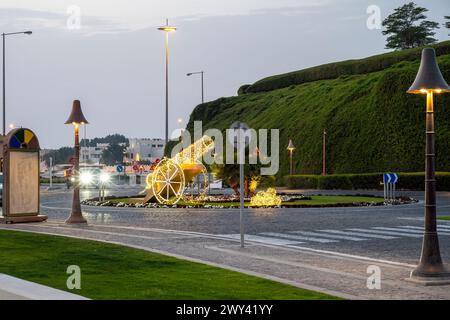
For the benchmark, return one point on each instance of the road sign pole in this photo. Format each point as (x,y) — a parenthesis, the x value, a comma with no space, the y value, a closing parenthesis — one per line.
(393,191)
(51,172)
(241,184)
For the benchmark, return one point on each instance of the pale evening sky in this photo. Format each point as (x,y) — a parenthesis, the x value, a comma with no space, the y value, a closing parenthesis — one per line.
(114,63)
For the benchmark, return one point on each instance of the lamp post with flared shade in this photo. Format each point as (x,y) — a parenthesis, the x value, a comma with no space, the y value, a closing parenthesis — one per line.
(430,81)
(76,118)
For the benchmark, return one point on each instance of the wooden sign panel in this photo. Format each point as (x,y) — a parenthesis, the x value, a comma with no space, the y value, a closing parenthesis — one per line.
(21,177)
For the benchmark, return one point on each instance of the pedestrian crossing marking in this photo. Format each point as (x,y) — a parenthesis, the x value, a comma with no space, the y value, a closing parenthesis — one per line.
(419,230)
(294,237)
(325,236)
(392,233)
(265,240)
(332,236)
(361,234)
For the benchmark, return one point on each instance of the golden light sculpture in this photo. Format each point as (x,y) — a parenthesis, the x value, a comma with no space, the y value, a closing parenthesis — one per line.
(267,198)
(168,181)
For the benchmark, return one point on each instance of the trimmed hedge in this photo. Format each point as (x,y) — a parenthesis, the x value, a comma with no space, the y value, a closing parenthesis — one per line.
(343,68)
(407,181)
(243,89)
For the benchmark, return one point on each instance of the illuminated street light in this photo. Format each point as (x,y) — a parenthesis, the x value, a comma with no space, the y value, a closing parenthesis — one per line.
(291,149)
(76,118)
(202,82)
(4,72)
(429,81)
(167,29)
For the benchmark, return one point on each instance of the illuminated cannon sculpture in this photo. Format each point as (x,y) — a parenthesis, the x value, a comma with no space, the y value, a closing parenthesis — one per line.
(168,181)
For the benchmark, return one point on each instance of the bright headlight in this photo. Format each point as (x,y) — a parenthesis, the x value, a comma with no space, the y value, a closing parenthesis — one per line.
(86,178)
(104,177)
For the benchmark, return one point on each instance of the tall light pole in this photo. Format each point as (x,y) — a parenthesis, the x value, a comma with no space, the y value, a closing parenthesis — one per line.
(76,118)
(324,153)
(202,78)
(4,72)
(429,81)
(167,29)
(291,149)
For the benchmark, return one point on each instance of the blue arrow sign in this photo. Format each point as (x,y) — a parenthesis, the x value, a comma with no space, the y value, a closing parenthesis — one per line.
(390,178)
(119,168)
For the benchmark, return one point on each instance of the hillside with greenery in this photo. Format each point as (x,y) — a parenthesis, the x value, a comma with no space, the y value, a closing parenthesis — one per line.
(373,125)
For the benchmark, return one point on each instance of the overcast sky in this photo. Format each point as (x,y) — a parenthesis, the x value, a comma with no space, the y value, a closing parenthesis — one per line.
(114,63)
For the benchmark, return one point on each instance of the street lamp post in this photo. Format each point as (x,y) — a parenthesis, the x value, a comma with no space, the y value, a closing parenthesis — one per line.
(167,29)
(76,118)
(202,73)
(4,72)
(429,81)
(291,149)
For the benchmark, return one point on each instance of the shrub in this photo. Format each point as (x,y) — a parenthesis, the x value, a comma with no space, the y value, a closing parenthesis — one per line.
(407,181)
(243,89)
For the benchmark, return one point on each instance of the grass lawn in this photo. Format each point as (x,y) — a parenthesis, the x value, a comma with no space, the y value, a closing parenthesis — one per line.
(116,272)
(315,201)
(444,218)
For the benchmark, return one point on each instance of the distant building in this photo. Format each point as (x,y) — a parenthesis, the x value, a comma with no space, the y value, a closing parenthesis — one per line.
(146,149)
(92,154)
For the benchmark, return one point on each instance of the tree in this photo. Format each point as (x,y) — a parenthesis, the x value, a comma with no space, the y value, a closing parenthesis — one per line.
(60,156)
(252,176)
(407,28)
(447,23)
(113,154)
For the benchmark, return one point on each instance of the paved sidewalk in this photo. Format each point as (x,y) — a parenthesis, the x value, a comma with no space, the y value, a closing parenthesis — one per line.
(343,275)
(17,289)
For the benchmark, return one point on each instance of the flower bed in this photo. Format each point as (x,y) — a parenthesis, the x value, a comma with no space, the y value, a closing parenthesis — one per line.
(232,201)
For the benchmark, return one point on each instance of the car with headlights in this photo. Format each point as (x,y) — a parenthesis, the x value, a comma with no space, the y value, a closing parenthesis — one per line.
(91,178)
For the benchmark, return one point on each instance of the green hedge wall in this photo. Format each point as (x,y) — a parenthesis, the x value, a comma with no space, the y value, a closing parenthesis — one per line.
(343,68)
(407,181)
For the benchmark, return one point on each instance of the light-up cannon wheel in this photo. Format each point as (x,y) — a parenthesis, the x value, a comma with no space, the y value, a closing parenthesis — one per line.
(193,170)
(168,182)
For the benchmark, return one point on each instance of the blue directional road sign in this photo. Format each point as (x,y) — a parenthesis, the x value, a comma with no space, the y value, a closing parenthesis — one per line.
(390,178)
(120,168)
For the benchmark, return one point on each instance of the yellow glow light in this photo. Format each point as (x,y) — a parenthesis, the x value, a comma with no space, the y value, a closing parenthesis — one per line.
(267,198)
(167,29)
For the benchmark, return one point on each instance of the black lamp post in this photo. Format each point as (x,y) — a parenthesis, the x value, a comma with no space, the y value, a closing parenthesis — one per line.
(76,118)
(430,81)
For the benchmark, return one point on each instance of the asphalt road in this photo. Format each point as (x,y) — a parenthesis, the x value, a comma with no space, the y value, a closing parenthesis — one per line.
(389,232)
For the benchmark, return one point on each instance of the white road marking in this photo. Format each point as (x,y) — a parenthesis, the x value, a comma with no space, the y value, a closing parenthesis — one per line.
(259,239)
(293,237)
(391,233)
(442,231)
(420,230)
(375,236)
(332,236)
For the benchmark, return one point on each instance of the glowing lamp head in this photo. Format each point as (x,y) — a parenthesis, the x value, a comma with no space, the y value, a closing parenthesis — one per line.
(105,177)
(429,78)
(291,146)
(76,116)
(86,178)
